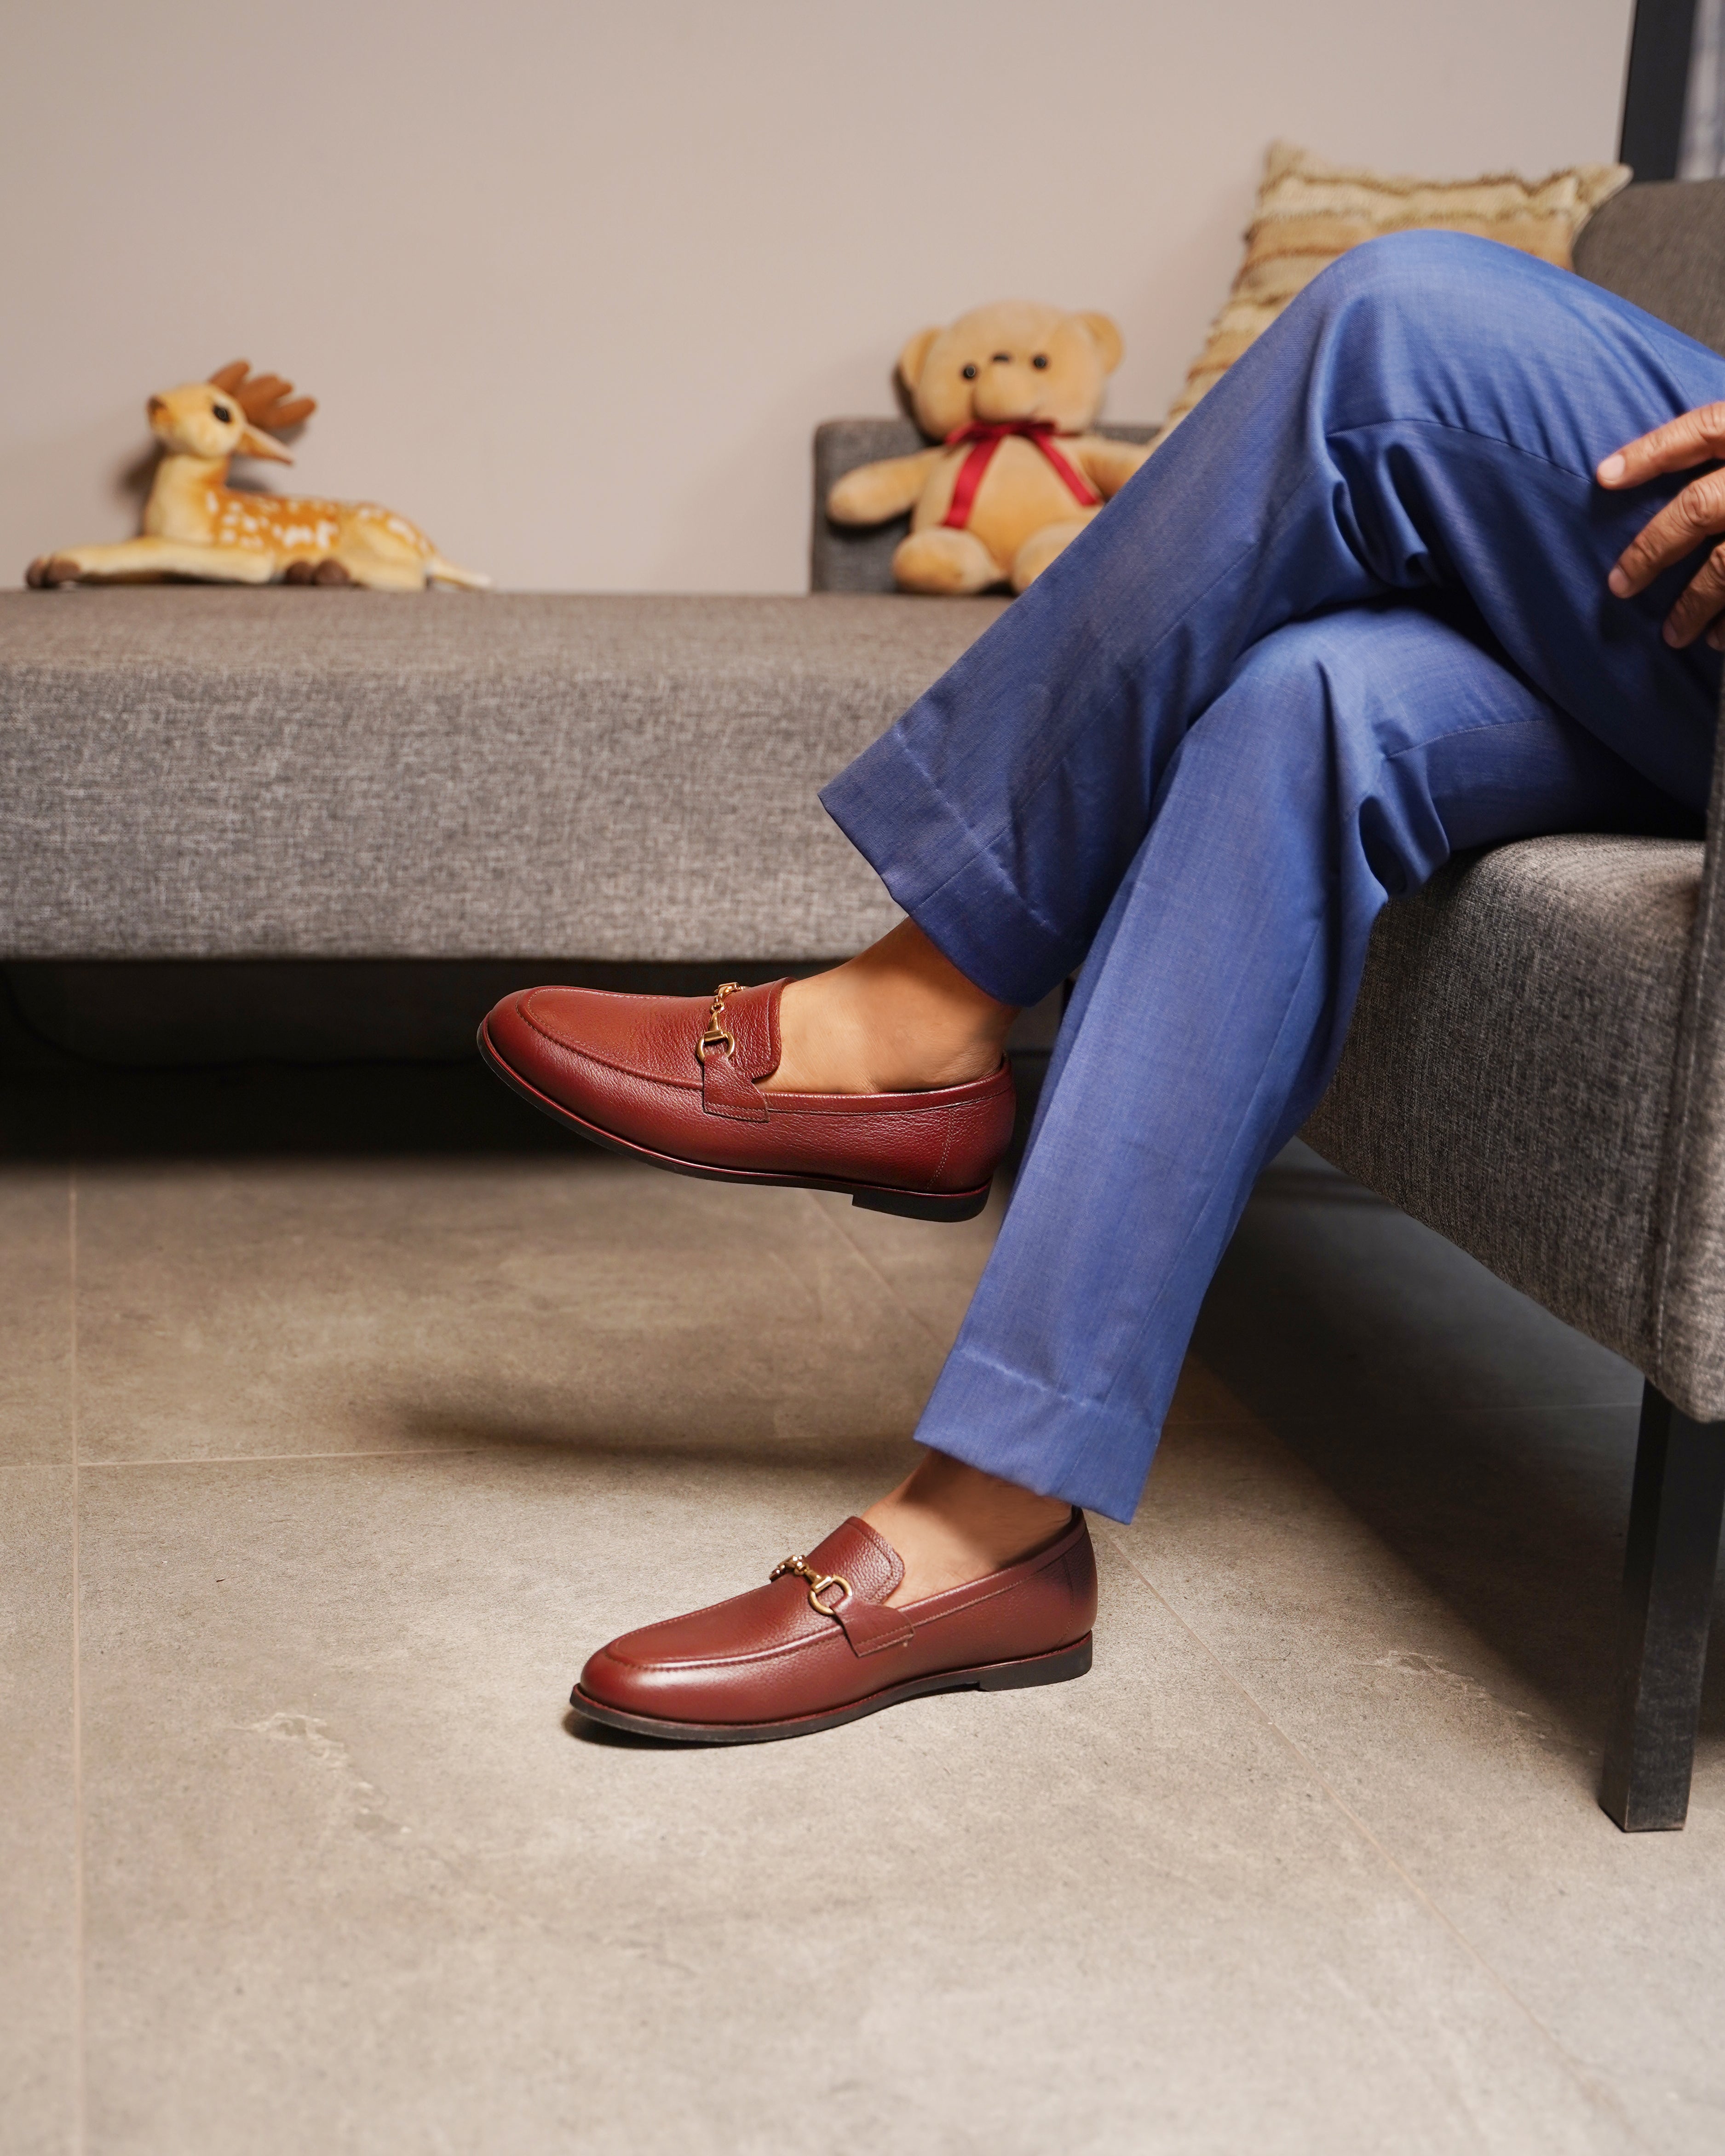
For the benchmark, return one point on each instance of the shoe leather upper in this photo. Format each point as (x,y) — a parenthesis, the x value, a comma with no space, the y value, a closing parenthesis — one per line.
(652,1037)
(631,1067)
(769,1655)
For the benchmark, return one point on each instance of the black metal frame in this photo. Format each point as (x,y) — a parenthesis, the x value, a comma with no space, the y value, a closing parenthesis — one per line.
(1669,1571)
(1656,87)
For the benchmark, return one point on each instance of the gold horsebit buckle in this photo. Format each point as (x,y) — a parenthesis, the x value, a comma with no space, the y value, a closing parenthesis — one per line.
(716,1036)
(818,1583)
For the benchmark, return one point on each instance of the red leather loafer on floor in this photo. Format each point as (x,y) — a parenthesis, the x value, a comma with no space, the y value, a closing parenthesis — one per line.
(818,1646)
(672,1079)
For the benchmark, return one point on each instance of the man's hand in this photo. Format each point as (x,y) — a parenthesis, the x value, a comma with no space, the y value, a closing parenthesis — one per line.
(1697,513)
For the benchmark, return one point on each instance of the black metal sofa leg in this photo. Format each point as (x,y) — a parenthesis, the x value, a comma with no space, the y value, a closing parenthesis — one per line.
(1668,1575)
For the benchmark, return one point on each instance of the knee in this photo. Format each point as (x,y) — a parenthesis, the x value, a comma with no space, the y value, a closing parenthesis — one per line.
(1310,662)
(1277,715)
(1310,698)
(1420,273)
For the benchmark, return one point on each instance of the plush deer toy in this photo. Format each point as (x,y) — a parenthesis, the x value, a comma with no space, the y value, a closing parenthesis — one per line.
(196,524)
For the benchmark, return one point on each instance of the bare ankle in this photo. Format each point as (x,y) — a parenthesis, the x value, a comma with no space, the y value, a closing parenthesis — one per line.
(952,1523)
(900,1017)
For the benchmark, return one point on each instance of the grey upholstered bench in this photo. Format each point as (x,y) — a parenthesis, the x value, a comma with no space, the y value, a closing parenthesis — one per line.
(217,774)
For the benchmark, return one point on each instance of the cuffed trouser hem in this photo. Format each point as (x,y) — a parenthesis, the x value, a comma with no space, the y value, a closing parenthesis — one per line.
(1009,1424)
(899,821)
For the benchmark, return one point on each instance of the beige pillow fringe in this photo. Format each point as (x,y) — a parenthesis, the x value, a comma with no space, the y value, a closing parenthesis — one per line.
(1309,212)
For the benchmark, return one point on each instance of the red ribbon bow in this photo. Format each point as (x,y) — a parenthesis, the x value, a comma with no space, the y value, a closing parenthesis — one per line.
(988,435)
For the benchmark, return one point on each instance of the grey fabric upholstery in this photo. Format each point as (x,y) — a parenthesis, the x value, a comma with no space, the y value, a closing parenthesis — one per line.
(842,558)
(1663,246)
(1537,1064)
(1536,1069)
(845,559)
(225,773)
(1508,1078)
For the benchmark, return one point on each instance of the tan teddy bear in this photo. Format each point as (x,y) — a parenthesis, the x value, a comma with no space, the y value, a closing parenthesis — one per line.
(1007,392)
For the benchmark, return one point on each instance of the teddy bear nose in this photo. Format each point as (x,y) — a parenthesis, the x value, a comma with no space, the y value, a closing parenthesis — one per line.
(1006,393)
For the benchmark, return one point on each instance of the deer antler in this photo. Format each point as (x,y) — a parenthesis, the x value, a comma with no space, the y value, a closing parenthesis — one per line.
(267,400)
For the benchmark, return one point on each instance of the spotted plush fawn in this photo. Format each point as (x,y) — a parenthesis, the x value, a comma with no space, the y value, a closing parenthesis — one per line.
(196,524)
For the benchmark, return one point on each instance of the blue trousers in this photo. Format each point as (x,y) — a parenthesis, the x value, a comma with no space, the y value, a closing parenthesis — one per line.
(1351,616)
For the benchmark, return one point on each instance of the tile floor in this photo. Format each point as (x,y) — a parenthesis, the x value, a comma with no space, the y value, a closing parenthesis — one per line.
(322,1470)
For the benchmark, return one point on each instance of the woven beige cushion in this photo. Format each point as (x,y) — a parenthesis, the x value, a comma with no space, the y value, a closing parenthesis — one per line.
(1309,212)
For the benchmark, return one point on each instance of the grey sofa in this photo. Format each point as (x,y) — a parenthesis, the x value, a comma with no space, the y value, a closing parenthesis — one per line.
(280,777)
(1536,1069)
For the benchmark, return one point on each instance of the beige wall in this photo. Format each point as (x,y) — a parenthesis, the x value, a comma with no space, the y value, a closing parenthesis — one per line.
(574,282)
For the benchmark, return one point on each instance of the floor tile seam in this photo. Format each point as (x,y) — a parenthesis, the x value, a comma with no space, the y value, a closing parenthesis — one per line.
(276,1459)
(1595,2091)
(1230,1420)
(80,2030)
(1630,1401)
(858,1252)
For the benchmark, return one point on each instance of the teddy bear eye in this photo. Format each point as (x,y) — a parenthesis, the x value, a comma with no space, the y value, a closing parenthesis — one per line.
(221,412)
(1040,360)
(968,370)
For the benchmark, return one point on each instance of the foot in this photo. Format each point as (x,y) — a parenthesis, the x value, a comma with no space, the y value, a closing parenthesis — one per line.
(899,1017)
(48,571)
(944,561)
(951,1524)
(821,1643)
(677,1080)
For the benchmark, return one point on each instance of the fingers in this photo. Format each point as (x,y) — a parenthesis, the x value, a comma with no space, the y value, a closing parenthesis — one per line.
(1686,521)
(1691,438)
(1700,605)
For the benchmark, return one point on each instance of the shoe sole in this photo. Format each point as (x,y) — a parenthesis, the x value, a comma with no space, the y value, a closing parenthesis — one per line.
(1063,1664)
(874,1197)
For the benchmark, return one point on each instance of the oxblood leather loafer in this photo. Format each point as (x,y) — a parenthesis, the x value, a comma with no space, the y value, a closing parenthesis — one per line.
(818,1646)
(672,1079)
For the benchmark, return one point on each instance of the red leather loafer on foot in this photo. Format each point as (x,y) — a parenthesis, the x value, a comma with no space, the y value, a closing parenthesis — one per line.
(818,1646)
(672,1079)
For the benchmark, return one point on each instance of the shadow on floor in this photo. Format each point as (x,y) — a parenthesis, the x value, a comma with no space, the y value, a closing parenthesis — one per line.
(729,1438)
(1419,1418)
(1370,1375)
